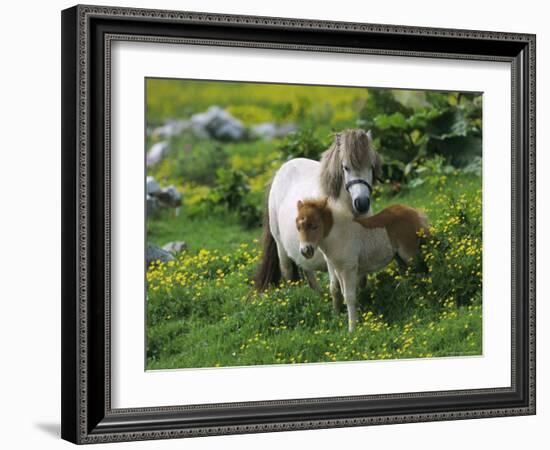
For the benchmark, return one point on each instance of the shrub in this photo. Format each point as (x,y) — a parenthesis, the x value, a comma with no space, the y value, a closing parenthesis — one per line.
(251,114)
(190,161)
(445,124)
(232,194)
(303,143)
(451,257)
(231,188)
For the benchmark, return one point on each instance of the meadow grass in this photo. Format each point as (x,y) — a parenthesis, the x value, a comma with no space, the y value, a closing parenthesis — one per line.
(223,233)
(203,312)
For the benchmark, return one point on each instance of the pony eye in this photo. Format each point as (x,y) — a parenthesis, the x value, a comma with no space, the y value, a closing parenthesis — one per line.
(346,168)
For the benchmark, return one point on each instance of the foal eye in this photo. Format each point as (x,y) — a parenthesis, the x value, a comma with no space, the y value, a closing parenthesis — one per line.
(346,168)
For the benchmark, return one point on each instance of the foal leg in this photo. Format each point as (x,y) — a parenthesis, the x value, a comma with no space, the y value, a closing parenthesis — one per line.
(335,290)
(312,281)
(348,280)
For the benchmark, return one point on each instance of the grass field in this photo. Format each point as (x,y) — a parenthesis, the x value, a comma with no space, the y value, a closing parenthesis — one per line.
(202,310)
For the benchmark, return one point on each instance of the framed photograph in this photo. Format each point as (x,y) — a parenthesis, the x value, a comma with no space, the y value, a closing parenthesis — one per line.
(281,224)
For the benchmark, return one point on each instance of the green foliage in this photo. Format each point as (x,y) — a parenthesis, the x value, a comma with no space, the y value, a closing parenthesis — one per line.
(446,124)
(451,258)
(251,114)
(231,188)
(303,143)
(231,192)
(191,161)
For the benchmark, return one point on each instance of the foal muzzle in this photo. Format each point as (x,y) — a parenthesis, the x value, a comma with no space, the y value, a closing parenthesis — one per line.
(307,251)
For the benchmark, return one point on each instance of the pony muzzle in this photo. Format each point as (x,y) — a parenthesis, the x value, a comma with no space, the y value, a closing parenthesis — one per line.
(360,191)
(361,205)
(307,251)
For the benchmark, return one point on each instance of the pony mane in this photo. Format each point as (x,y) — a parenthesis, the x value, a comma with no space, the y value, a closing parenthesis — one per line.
(355,146)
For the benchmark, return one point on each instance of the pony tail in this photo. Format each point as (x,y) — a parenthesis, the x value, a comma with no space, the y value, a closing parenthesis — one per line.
(269,271)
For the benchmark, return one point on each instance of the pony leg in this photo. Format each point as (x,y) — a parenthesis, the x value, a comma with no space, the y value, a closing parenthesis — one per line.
(362,282)
(335,290)
(287,266)
(348,281)
(312,281)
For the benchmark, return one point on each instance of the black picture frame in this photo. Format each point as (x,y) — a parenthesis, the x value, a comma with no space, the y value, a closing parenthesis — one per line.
(87,415)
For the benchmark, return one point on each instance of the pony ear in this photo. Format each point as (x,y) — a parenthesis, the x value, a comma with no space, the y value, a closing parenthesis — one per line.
(376,158)
(323,203)
(300,204)
(369,136)
(377,166)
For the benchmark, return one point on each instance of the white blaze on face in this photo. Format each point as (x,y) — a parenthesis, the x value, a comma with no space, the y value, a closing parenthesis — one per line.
(359,192)
(307,249)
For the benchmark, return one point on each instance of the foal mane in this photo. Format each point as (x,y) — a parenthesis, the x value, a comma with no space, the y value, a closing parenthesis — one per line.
(308,206)
(314,203)
(354,145)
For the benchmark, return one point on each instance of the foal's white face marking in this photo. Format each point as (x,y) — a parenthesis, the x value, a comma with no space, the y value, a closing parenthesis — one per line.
(310,230)
(307,249)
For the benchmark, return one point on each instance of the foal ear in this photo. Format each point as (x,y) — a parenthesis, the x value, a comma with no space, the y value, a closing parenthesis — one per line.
(300,204)
(323,203)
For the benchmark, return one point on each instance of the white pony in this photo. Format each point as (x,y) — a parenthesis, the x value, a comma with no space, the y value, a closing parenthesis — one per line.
(344,175)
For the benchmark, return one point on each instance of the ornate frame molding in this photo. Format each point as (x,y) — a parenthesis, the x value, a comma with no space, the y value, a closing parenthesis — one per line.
(80,418)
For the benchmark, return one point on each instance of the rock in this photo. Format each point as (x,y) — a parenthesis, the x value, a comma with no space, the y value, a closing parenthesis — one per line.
(171,128)
(214,123)
(157,197)
(218,124)
(155,253)
(175,247)
(152,186)
(153,205)
(285,129)
(157,152)
(204,119)
(169,196)
(270,131)
(229,132)
(264,130)
(475,166)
